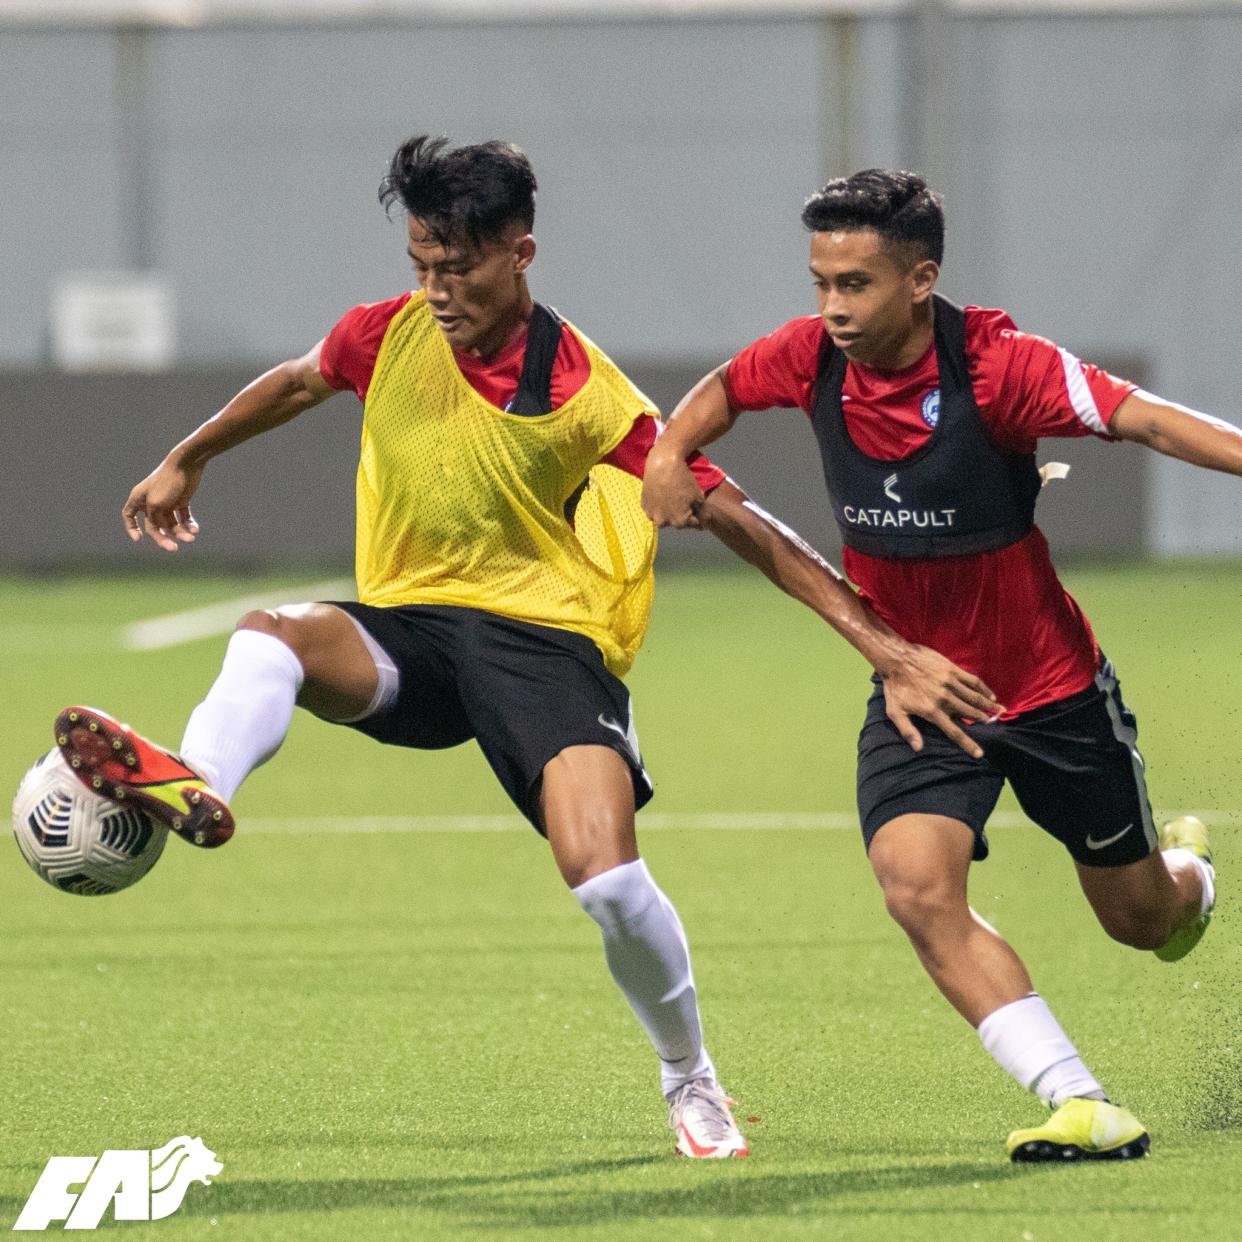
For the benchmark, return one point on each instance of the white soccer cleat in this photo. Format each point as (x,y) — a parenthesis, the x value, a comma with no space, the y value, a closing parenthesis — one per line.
(699,1115)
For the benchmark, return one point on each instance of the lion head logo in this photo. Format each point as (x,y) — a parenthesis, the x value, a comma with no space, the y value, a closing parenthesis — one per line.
(173,1167)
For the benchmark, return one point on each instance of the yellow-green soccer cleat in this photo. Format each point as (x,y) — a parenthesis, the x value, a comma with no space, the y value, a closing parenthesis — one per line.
(1187,833)
(1082,1130)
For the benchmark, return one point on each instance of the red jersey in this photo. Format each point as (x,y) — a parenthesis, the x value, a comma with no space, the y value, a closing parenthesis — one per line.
(1002,615)
(347,360)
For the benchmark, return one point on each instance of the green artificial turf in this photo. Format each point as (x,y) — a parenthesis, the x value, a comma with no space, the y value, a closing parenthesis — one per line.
(409,1033)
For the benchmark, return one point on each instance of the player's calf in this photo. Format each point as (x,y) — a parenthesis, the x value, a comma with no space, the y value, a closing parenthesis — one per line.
(110,758)
(1143,928)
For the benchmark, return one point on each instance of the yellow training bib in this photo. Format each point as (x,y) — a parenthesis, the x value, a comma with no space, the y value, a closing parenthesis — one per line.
(461,503)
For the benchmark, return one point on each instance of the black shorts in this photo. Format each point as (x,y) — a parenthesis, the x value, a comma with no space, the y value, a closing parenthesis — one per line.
(1073,766)
(523,692)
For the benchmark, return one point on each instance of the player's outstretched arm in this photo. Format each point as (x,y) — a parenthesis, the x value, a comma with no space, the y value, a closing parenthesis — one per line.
(160,504)
(671,497)
(918,682)
(1179,432)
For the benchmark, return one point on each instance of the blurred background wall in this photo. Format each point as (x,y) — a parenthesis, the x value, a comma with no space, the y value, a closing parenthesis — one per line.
(1088,154)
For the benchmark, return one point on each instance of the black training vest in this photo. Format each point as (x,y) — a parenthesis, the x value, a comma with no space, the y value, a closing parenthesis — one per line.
(956,495)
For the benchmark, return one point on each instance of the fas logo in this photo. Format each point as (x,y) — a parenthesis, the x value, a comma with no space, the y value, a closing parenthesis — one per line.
(140,1185)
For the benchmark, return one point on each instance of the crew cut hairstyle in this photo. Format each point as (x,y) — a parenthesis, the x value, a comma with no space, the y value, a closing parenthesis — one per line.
(897,205)
(466,195)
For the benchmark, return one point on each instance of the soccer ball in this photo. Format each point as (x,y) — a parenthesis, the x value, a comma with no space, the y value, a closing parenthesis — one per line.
(77,840)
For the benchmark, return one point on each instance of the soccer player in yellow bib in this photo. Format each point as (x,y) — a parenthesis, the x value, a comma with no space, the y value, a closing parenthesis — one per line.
(504,573)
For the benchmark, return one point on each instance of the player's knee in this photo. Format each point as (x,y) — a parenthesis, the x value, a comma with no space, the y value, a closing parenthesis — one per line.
(919,907)
(585,860)
(261,620)
(289,630)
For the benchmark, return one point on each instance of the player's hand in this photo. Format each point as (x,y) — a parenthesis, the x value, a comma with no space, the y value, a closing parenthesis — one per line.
(925,684)
(160,506)
(671,497)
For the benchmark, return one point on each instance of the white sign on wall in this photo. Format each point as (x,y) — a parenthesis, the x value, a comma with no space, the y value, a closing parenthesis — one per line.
(113,321)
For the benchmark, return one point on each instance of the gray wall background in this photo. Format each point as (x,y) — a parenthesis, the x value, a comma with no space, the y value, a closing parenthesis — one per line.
(1090,167)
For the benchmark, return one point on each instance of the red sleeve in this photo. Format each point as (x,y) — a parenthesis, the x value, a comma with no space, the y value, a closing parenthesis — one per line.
(1027,388)
(347,358)
(631,454)
(778,370)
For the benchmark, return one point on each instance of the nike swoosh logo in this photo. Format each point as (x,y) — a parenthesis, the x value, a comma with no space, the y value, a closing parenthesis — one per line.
(630,748)
(695,1147)
(1093,844)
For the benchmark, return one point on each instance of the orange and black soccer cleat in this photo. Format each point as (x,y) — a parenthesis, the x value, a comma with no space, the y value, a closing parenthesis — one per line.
(113,760)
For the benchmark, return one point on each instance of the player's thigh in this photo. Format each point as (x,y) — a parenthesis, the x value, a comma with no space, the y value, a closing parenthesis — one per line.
(938,783)
(540,701)
(416,704)
(587,802)
(339,671)
(922,863)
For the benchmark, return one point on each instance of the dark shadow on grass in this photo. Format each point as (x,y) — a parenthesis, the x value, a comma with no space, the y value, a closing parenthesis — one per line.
(318,1194)
(728,1197)
(508,1201)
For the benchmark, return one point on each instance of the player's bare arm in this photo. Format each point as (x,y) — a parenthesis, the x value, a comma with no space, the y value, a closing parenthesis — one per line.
(1178,432)
(918,682)
(671,497)
(160,504)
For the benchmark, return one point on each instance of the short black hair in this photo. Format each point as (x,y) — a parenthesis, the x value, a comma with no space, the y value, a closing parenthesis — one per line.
(463,195)
(896,204)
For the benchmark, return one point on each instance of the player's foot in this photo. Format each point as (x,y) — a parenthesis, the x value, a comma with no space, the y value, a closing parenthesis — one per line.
(1187,833)
(110,758)
(1082,1130)
(699,1114)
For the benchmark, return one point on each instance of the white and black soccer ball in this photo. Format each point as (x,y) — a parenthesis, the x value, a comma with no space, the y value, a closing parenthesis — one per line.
(78,840)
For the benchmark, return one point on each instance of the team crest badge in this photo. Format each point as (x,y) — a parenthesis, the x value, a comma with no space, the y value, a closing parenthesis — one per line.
(931,407)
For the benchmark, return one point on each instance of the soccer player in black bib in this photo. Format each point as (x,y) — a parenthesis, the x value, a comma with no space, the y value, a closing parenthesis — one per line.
(927,417)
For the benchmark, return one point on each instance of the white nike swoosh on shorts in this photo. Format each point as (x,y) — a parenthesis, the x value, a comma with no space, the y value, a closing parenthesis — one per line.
(630,748)
(1093,844)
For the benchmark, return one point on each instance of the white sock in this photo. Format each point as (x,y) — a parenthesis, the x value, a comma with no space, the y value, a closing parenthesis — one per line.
(1028,1042)
(1206,873)
(246,714)
(650,960)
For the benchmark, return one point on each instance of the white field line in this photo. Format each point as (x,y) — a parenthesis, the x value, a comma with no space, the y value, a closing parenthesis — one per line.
(175,628)
(511,823)
(731,821)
